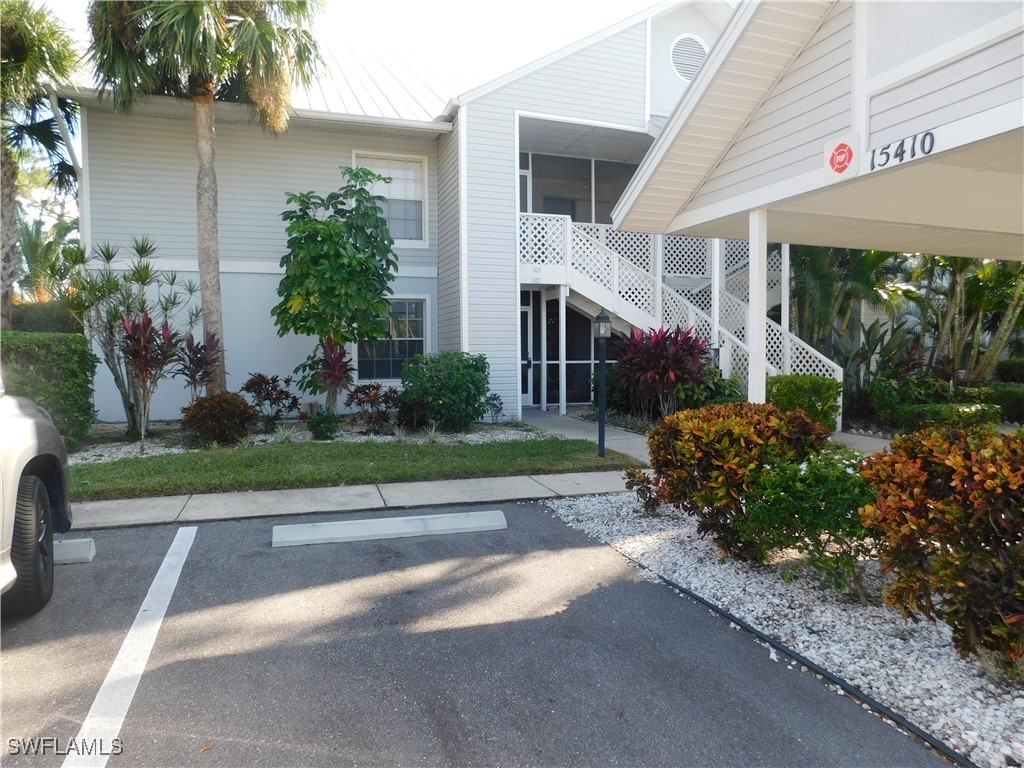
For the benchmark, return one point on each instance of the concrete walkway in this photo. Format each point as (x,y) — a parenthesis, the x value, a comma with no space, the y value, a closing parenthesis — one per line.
(635,445)
(201,507)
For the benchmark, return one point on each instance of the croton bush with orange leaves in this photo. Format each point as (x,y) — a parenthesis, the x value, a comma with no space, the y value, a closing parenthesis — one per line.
(948,520)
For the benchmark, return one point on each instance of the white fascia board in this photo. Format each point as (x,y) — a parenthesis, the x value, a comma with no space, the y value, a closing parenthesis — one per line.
(94,98)
(435,127)
(568,50)
(691,99)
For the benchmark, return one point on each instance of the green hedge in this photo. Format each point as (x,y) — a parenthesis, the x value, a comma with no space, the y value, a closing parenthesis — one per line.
(953,415)
(1011,369)
(818,396)
(1008,396)
(56,370)
(44,317)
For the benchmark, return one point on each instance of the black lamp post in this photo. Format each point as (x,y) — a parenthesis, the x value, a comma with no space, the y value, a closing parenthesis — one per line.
(602,332)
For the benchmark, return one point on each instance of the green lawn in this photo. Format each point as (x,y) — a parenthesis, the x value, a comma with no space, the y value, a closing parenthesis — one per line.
(300,465)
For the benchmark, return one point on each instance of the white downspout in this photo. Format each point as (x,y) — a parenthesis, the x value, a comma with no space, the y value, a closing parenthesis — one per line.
(717,263)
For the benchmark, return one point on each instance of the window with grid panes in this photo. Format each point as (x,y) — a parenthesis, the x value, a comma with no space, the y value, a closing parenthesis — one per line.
(384,359)
(405,194)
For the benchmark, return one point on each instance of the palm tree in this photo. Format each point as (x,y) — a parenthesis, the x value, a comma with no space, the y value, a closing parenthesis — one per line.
(36,52)
(40,251)
(202,51)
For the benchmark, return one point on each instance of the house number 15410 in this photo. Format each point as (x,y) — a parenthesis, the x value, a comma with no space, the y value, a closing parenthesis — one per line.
(904,149)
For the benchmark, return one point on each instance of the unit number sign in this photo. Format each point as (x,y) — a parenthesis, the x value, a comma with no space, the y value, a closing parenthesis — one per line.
(894,153)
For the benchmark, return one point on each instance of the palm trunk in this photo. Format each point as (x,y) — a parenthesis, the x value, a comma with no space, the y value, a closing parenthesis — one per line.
(206,217)
(1003,333)
(9,256)
(953,299)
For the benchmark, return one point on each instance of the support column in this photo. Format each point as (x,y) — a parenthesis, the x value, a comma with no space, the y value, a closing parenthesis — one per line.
(544,350)
(756,335)
(563,295)
(658,257)
(784,314)
(717,267)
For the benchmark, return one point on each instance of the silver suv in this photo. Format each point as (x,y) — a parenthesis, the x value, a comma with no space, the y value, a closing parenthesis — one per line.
(34,496)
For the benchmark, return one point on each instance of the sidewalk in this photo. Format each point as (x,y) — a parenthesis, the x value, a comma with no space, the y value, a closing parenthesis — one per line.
(90,515)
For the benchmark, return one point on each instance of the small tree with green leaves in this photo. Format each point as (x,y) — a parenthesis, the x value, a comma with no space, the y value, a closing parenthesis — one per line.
(337,272)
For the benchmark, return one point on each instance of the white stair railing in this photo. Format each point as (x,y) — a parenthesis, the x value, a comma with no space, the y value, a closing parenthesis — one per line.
(586,257)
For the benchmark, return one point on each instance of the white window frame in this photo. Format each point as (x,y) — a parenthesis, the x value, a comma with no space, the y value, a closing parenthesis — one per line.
(428,344)
(422,159)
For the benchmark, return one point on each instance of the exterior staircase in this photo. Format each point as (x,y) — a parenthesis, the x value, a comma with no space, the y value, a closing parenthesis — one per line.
(649,281)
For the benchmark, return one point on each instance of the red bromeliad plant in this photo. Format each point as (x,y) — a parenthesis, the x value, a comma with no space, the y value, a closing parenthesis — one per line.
(653,364)
(147,353)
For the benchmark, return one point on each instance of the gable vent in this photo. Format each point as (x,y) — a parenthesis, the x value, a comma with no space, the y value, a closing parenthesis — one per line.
(687,54)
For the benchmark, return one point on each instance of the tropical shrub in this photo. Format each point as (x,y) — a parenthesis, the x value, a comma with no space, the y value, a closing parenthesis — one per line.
(322,425)
(818,396)
(812,507)
(375,404)
(651,366)
(1011,369)
(710,389)
(224,419)
(197,361)
(948,519)
(448,389)
(148,351)
(952,415)
(705,462)
(328,370)
(890,396)
(1007,395)
(44,317)
(56,370)
(271,396)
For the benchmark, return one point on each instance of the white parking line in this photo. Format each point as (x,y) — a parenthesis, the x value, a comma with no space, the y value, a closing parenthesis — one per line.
(103,723)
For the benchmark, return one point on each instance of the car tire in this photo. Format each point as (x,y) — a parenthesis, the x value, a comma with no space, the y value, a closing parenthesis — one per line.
(31,549)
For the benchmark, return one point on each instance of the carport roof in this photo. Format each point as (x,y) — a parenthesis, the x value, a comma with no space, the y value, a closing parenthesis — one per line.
(965,201)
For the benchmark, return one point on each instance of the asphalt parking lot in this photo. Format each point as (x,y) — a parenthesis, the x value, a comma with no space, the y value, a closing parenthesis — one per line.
(529,646)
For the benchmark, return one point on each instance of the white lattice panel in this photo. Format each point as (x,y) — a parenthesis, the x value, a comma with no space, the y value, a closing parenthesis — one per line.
(636,287)
(592,259)
(686,256)
(596,231)
(542,239)
(634,247)
(737,253)
(732,315)
(806,359)
(774,343)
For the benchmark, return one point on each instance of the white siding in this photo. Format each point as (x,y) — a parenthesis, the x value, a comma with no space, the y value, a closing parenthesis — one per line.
(449,287)
(666,85)
(966,86)
(142,176)
(786,135)
(604,82)
(900,31)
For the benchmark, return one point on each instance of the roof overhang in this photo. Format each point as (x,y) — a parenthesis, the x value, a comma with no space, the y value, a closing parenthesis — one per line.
(163,106)
(547,136)
(967,200)
(753,51)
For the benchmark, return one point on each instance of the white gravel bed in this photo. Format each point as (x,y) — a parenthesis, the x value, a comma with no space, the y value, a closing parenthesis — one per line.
(912,668)
(292,433)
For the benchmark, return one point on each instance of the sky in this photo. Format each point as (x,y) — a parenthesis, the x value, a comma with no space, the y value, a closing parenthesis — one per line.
(477,41)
